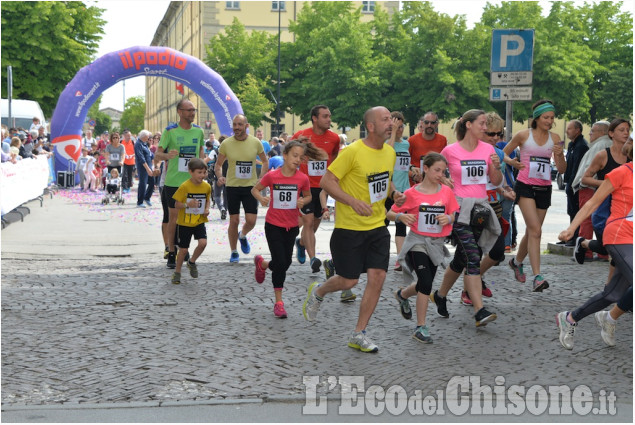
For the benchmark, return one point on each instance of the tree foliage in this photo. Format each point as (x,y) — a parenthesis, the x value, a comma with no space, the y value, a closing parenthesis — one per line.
(133,114)
(102,120)
(46,43)
(253,102)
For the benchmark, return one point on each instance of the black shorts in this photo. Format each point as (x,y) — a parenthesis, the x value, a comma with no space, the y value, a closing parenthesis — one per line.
(237,195)
(185,233)
(315,206)
(541,194)
(169,193)
(354,251)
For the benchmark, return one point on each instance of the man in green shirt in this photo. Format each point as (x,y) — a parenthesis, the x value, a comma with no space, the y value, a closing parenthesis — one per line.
(179,144)
(240,151)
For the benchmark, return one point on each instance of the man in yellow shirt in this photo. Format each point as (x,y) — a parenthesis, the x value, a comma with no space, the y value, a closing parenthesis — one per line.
(359,180)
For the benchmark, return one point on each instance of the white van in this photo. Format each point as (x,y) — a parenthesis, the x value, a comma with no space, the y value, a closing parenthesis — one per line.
(22,112)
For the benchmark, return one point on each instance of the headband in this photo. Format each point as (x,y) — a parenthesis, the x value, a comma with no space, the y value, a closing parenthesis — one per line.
(541,109)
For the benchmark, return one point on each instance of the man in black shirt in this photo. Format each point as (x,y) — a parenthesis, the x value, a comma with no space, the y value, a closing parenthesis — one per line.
(578,146)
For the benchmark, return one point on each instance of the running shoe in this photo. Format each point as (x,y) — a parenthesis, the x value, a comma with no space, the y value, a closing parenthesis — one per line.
(422,334)
(171,264)
(260,272)
(404,305)
(311,305)
(540,283)
(223,215)
(398,267)
(234,258)
(441,303)
(465,298)
(361,342)
(315,264)
(300,254)
(347,296)
(244,245)
(579,252)
(176,278)
(329,268)
(193,269)
(279,311)
(608,327)
(486,292)
(148,203)
(140,206)
(483,317)
(567,330)
(519,274)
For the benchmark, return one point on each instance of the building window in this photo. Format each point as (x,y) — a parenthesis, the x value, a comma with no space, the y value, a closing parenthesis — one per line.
(234,5)
(276,4)
(368,6)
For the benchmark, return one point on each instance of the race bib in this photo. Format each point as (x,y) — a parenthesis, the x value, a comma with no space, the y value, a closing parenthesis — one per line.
(243,169)
(186,154)
(200,206)
(473,171)
(378,186)
(115,156)
(317,168)
(285,196)
(539,168)
(428,218)
(403,161)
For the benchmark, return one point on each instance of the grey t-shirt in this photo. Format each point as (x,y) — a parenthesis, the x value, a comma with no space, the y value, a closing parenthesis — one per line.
(115,154)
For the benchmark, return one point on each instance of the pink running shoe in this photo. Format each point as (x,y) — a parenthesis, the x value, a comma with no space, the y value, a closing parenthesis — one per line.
(279,311)
(259,272)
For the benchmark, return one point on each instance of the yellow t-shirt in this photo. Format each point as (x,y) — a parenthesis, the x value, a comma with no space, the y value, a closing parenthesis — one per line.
(365,174)
(241,158)
(192,217)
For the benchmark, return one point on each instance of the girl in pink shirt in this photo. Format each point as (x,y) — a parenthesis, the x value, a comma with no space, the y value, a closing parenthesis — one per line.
(289,191)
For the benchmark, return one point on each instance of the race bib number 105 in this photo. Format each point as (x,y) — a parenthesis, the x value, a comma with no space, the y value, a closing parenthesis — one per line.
(378,186)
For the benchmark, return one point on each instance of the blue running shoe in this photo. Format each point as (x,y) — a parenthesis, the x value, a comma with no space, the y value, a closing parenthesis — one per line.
(301,252)
(234,257)
(244,245)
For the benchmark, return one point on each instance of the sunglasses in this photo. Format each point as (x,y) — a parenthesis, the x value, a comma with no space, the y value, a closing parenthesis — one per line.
(494,133)
(426,122)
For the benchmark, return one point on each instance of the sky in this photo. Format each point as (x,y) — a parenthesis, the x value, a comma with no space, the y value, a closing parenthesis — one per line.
(124,28)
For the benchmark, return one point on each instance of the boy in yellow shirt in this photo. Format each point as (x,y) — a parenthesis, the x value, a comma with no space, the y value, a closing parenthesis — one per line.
(192,200)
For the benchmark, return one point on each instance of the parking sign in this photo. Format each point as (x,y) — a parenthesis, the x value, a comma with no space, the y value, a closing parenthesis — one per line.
(512,50)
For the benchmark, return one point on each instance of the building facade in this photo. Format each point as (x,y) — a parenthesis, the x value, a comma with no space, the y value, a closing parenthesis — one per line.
(188,26)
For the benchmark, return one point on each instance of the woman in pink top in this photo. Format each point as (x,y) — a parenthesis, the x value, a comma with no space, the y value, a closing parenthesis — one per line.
(533,185)
(289,191)
(470,162)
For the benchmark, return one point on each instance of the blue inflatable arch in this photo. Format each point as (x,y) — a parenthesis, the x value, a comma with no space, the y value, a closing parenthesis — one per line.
(92,80)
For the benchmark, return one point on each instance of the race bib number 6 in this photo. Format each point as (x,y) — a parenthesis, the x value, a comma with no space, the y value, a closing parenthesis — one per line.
(200,203)
(378,186)
(473,171)
(285,196)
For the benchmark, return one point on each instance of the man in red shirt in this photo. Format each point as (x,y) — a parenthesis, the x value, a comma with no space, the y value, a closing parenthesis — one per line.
(427,140)
(129,161)
(322,137)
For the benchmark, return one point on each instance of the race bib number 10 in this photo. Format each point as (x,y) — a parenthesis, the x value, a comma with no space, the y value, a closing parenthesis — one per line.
(428,218)
(285,196)
(473,171)
(378,186)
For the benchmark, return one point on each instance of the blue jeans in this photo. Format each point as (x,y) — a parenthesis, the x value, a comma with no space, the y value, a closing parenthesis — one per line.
(508,207)
(146,186)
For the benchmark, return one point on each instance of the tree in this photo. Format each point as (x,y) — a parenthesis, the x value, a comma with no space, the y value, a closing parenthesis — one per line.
(331,62)
(133,114)
(246,62)
(102,120)
(46,43)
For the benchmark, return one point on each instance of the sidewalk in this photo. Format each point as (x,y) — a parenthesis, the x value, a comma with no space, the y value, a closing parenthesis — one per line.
(93,331)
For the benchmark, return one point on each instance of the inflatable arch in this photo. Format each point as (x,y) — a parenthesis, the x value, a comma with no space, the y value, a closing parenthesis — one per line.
(92,80)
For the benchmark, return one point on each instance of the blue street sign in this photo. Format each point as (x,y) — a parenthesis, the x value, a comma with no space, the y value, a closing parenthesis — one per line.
(512,50)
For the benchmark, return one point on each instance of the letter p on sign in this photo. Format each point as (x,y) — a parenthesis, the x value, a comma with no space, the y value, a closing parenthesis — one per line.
(512,50)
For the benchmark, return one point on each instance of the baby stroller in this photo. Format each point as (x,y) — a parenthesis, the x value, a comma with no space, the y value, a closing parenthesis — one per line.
(114,191)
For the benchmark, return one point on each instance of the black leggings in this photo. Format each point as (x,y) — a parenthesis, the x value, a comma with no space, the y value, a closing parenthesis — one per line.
(281,242)
(424,268)
(626,302)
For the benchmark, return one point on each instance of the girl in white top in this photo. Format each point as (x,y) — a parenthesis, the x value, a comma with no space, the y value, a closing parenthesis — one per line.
(533,186)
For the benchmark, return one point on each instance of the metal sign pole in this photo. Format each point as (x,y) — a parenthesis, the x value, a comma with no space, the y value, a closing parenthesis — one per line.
(10,95)
(509,114)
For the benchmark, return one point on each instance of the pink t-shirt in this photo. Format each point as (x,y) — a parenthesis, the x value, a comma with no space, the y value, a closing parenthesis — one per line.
(469,169)
(425,207)
(537,161)
(284,192)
